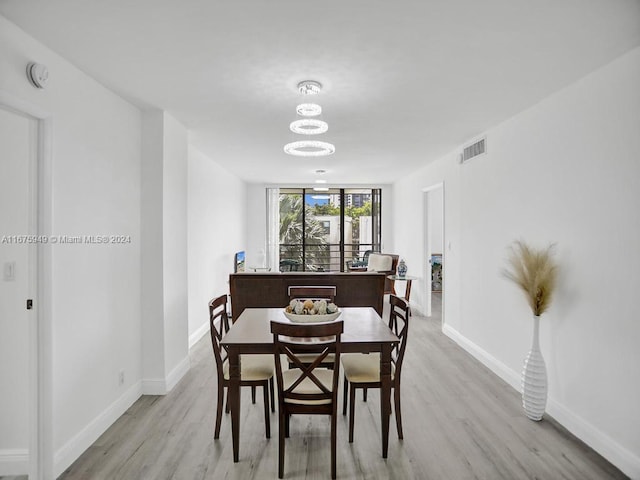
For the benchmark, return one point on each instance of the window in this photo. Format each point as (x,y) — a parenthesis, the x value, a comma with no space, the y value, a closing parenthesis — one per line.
(321,231)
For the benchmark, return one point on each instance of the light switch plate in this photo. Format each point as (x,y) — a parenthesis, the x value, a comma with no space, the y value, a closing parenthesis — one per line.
(9,271)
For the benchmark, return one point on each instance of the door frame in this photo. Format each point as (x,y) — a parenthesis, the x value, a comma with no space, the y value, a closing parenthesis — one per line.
(40,328)
(427,243)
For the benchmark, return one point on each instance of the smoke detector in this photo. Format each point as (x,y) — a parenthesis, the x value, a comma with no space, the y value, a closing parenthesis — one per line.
(37,74)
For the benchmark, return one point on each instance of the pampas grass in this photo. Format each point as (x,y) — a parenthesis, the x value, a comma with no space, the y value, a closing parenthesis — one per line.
(535,272)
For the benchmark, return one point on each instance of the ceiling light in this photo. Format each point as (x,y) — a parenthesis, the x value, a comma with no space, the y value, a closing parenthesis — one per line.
(309,87)
(309,148)
(321,181)
(321,189)
(308,126)
(309,109)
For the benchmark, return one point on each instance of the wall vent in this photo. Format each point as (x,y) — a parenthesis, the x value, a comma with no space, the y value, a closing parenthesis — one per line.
(471,151)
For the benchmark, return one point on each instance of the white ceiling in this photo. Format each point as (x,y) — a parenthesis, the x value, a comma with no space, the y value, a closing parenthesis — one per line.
(405,81)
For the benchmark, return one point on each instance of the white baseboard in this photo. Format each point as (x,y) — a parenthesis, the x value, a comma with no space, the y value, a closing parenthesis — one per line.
(178,372)
(198,334)
(618,455)
(14,462)
(484,357)
(153,386)
(606,446)
(162,386)
(70,451)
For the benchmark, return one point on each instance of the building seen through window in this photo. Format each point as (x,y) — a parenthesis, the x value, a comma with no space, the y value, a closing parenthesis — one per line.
(323,231)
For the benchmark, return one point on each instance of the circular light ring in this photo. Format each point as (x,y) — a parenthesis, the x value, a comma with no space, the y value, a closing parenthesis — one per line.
(309,109)
(309,148)
(308,126)
(309,87)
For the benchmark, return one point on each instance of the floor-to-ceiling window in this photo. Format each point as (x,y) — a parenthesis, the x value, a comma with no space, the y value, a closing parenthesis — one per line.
(322,230)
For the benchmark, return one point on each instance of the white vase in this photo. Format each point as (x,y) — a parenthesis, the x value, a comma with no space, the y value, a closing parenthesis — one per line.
(534,378)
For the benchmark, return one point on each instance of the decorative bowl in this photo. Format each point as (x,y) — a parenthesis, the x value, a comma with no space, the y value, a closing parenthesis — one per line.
(329,317)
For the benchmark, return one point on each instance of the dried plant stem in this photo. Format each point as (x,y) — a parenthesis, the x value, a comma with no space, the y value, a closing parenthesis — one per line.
(535,272)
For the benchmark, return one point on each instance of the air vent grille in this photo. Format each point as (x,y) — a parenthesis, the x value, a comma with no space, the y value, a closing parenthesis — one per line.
(475,149)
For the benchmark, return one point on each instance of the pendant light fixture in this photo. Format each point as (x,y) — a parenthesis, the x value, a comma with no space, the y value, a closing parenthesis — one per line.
(309,126)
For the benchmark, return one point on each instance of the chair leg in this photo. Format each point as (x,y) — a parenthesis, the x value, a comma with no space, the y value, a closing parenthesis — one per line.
(273,395)
(345,394)
(281,434)
(352,410)
(364,394)
(287,418)
(227,408)
(396,398)
(253,394)
(333,444)
(267,422)
(216,429)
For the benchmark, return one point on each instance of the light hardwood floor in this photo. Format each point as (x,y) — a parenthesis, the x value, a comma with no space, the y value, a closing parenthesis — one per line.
(460,422)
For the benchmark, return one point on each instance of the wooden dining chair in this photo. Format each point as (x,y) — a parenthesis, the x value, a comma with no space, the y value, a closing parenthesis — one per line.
(306,389)
(255,370)
(314,292)
(363,370)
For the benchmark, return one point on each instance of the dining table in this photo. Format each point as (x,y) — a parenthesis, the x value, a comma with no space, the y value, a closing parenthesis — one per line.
(364,332)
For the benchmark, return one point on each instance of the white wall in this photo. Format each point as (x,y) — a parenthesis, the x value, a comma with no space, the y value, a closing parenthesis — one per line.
(96,288)
(217,213)
(165,345)
(151,255)
(256,222)
(174,203)
(564,171)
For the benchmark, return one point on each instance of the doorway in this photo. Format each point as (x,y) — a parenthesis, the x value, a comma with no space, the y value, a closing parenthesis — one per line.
(25,152)
(18,155)
(433,245)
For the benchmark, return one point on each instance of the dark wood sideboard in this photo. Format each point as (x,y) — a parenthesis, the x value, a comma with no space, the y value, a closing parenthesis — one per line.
(358,289)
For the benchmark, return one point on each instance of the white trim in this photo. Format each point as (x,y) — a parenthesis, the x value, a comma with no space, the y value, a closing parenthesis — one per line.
(606,446)
(18,104)
(198,334)
(71,450)
(426,240)
(162,386)
(42,465)
(488,360)
(177,373)
(14,462)
(35,162)
(154,386)
(435,186)
(617,454)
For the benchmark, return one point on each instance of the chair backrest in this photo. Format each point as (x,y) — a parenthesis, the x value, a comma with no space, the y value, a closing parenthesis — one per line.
(399,324)
(313,292)
(293,340)
(382,262)
(386,263)
(219,325)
